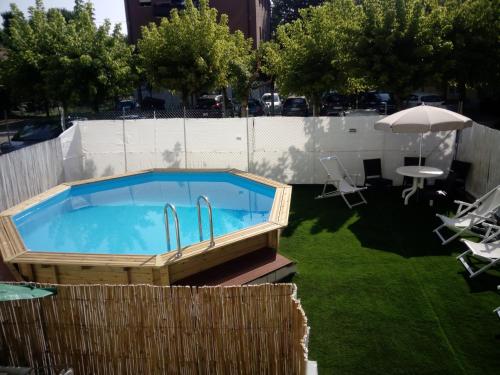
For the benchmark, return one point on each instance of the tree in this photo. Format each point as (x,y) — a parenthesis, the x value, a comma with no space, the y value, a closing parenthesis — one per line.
(398,46)
(5,32)
(475,56)
(51,59)
(286,11)
(313,54)
(189,52)
(243,69)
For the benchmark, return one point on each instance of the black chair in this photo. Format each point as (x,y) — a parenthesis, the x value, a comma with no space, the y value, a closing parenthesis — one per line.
(453,186)
(373,174)
(459,171)
(409,161)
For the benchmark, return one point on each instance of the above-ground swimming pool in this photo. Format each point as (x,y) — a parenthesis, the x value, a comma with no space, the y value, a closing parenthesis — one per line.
(126,215)
(117,226)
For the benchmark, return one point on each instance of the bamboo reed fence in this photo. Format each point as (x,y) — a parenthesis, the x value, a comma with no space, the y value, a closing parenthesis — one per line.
(30,171)
(144,329)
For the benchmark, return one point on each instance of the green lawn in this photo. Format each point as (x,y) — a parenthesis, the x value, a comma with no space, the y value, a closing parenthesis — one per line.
(381,294)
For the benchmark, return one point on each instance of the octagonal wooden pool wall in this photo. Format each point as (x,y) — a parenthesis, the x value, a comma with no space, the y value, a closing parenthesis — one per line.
(164,269)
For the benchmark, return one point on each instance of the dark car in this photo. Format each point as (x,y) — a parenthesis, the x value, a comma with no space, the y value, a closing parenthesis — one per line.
(126,105)
(295,106)
(213,106)
(30,134)
(255,108)
(382,102)
(150,103)
(334,104)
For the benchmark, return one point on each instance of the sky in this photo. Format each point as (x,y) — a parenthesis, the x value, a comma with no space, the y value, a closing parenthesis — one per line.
(114,10)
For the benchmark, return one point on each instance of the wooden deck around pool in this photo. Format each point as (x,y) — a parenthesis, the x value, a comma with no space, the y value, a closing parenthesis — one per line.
(164,269)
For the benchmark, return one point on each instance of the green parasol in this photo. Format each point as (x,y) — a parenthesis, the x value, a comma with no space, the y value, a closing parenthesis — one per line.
(11,292)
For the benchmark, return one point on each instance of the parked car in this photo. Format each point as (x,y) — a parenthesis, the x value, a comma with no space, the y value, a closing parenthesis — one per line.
(334,104)
(382,102)
(267,102)
(418,98)
(150,103)
(255,108)
(126,105)
(295,106)
(212,106)
(32,133)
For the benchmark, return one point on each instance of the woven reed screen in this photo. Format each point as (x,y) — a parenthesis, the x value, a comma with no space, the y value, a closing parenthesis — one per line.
(143,329)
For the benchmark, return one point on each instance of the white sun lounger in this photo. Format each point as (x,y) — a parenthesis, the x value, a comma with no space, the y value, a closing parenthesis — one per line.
(487,251)
(470,215)
(340,179)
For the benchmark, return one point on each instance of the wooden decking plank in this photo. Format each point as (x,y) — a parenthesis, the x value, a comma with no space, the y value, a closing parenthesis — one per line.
(241,270)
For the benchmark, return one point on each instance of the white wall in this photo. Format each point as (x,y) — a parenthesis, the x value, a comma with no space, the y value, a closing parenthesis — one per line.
(286,149)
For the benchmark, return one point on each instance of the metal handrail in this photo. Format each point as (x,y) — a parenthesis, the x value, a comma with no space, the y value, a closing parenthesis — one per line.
(167,226)
(203,197)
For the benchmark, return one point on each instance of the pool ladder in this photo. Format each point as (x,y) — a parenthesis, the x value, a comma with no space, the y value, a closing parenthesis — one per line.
(209,206)
(176,222)
(167,227)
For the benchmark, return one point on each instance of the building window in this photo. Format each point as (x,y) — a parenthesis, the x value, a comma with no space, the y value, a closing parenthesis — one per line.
(145,3)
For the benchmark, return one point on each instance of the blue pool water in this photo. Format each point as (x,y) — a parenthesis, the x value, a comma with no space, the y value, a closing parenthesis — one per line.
(125,215)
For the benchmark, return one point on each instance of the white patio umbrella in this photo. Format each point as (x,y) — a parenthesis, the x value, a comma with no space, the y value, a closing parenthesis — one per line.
(423,119)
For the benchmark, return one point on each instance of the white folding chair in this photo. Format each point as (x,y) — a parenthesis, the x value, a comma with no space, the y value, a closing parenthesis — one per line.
(470,215)
(488,251)
(340,180)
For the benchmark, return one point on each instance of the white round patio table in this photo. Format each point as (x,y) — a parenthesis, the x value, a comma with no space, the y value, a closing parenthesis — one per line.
(419,174)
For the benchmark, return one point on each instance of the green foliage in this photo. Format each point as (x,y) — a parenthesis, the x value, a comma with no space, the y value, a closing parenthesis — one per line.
(314,53)
(188,53)
(285,11)
(5,31)
(243,68)
(399,41)
(474,33)
(65,61)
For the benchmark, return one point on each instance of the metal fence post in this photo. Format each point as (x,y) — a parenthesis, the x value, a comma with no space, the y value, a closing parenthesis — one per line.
(61,111)
(124,143)
(185,138)
(6,124)
(248,146)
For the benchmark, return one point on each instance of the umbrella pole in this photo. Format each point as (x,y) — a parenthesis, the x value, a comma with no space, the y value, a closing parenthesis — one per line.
(420,150)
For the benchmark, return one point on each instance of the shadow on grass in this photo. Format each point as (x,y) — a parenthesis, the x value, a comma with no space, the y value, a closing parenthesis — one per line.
(383,224)
(483,282)
(326,214)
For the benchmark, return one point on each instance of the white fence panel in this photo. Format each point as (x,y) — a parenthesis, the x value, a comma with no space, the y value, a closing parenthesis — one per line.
(103,148)
(169,145)
(72,153)
(286,149)
(217,143)
(480,146)
(30,171)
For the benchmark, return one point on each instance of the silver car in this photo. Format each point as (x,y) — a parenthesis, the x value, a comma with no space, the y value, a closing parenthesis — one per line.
(267,103)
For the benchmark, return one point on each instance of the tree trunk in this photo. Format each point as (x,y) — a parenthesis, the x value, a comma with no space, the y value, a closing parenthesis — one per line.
(272,98)
(95,105)
(185,97)
(244,107)
(316,102)
(46,107)
(461,96)
(224,101)
(397,101)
